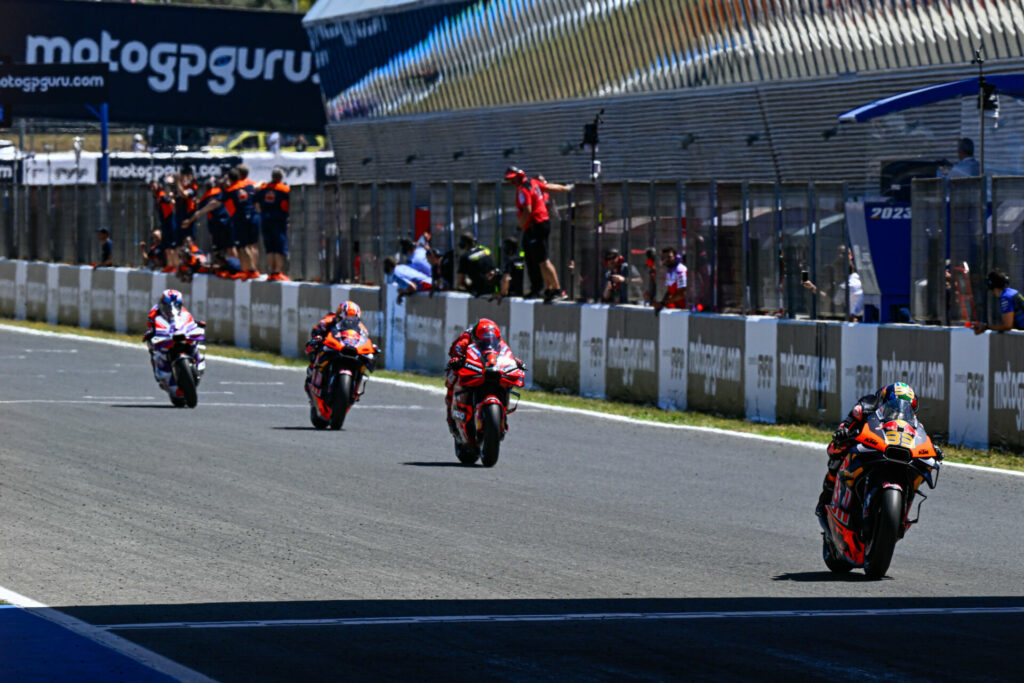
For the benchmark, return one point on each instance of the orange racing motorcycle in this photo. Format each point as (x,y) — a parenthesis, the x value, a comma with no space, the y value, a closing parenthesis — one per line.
(878,480)
(339,374)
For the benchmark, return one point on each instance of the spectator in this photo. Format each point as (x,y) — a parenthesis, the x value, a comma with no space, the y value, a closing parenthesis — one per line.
(535,224)
(273,201)
(301,144)
(106,248)
(616,278)
(966,166)
(218,222)
(477,272)
(675,281)
(247,222)
(406,278)
(513,270)
(139,143)
(838,298)
(415,254)
(274,142)
(153,254)
(193,260)
(164,197)
(1011,304)
(651,256)
(186,191)
(442,269)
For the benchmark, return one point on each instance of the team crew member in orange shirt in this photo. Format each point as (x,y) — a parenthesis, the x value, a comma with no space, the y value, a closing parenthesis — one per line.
(247,222)
(273,202)
(186,191)
(535,223)
(164,197)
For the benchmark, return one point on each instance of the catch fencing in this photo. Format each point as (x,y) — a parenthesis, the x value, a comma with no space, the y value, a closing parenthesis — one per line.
(747,245)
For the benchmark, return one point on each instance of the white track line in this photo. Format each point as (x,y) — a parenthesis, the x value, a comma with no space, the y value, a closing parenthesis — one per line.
(102,636)
(820,447)
(599,616)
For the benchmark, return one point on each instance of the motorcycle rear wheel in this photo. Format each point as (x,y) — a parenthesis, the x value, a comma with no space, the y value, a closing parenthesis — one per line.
(342,400)
(185,380)
(833,560)
(878,554)
(317,421)
(491,437)
(466,454)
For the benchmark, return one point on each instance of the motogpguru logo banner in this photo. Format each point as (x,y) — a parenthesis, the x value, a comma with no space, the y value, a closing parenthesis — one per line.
(175,65)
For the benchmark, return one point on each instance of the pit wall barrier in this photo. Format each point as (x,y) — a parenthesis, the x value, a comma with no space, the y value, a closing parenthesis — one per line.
(762,369)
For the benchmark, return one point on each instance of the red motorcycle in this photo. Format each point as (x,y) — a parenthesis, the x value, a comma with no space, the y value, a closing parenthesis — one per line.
(480,404)
(338,377)
(878,480)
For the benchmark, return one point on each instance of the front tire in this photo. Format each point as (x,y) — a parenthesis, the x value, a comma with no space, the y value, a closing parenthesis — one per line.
(342,400)
(185,380)
(888,514)
(491,434)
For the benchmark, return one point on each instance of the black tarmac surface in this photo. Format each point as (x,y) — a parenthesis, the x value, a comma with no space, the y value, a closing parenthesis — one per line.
(237,541)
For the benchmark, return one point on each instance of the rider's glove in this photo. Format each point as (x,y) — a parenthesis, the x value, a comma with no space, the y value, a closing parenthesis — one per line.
(842,434)
(938,451)
(520,364)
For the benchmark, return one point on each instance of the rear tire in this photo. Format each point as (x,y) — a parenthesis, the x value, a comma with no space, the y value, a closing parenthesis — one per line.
(888,515)
(315,418)
(342,400)
(491,437)
(185,380)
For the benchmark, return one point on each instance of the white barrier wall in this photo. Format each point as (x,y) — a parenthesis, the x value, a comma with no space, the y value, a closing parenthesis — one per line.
(971,386)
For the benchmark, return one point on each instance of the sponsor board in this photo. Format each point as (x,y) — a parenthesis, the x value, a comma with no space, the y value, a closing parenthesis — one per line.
(1006,409)
(102,298)
(520,333)
(60,169)
(145,167)
(368,299)
(760,345)
(290,343)
(969,388)
(298,169)
(919,357)
(456,317)
(67,295)
(314,302)
(714,365)
(631,355)
(556,347)
(593,337)
(499,313)
(673,342)
(9,169)
(265,316)
(36,286)
(808,373)
(8,288)
(220,310)
(52,292)
(85,296)
(859,364)
(242,313)
(394,341)
(426,349)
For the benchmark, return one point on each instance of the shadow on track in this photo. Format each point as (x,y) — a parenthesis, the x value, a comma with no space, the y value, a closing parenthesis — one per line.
(591,639)
(824,577)
(144,405)
(440,463)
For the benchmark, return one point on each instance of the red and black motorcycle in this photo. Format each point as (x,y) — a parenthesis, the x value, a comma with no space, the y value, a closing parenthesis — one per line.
(878,481)
(338,377)
(480,404)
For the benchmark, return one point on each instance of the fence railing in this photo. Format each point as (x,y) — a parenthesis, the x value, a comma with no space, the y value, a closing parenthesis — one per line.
(747,245)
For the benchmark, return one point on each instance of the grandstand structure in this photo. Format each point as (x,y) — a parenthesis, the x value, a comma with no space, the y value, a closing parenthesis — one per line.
(724,89)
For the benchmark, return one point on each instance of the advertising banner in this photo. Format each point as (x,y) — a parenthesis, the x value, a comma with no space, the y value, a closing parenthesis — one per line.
(326,168)
(759,357)
(85,295)
(8,170)
(673,338)
(520,333)
(314,302)
(36,286)
(265,316)
(808,373)
(290,343)
(969,388)
(242,313)
(499,313)
(220,310)
(394,347)
(556,347)
(632,355)
(1006,364)
(919,357)
(426,349)
(52,292)
(858,363)
(593,335)
(299,169)
(456,318)
(146,167)
(368,299)
(714,365)
(67,295)
(8,288)
(182,66)
(101,296)
(59,84)
(60,169)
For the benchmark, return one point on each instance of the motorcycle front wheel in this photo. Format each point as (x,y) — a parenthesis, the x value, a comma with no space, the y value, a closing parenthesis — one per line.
(185,380)
(888,515)
(492,434)
(342,400)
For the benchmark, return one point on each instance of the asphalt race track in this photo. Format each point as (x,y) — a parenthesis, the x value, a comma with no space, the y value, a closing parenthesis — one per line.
(237,543)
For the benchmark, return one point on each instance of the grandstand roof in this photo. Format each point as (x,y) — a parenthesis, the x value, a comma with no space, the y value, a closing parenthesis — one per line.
(350,10)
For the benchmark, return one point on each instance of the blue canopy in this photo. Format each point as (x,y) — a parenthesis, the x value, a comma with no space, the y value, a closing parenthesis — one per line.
(1011,84)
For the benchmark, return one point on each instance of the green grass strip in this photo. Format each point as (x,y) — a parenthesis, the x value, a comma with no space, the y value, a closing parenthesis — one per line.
(797,432)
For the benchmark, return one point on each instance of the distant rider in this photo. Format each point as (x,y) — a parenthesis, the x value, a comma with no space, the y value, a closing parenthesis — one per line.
(170,305)
(348,316)
(890,397)
(484,334)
